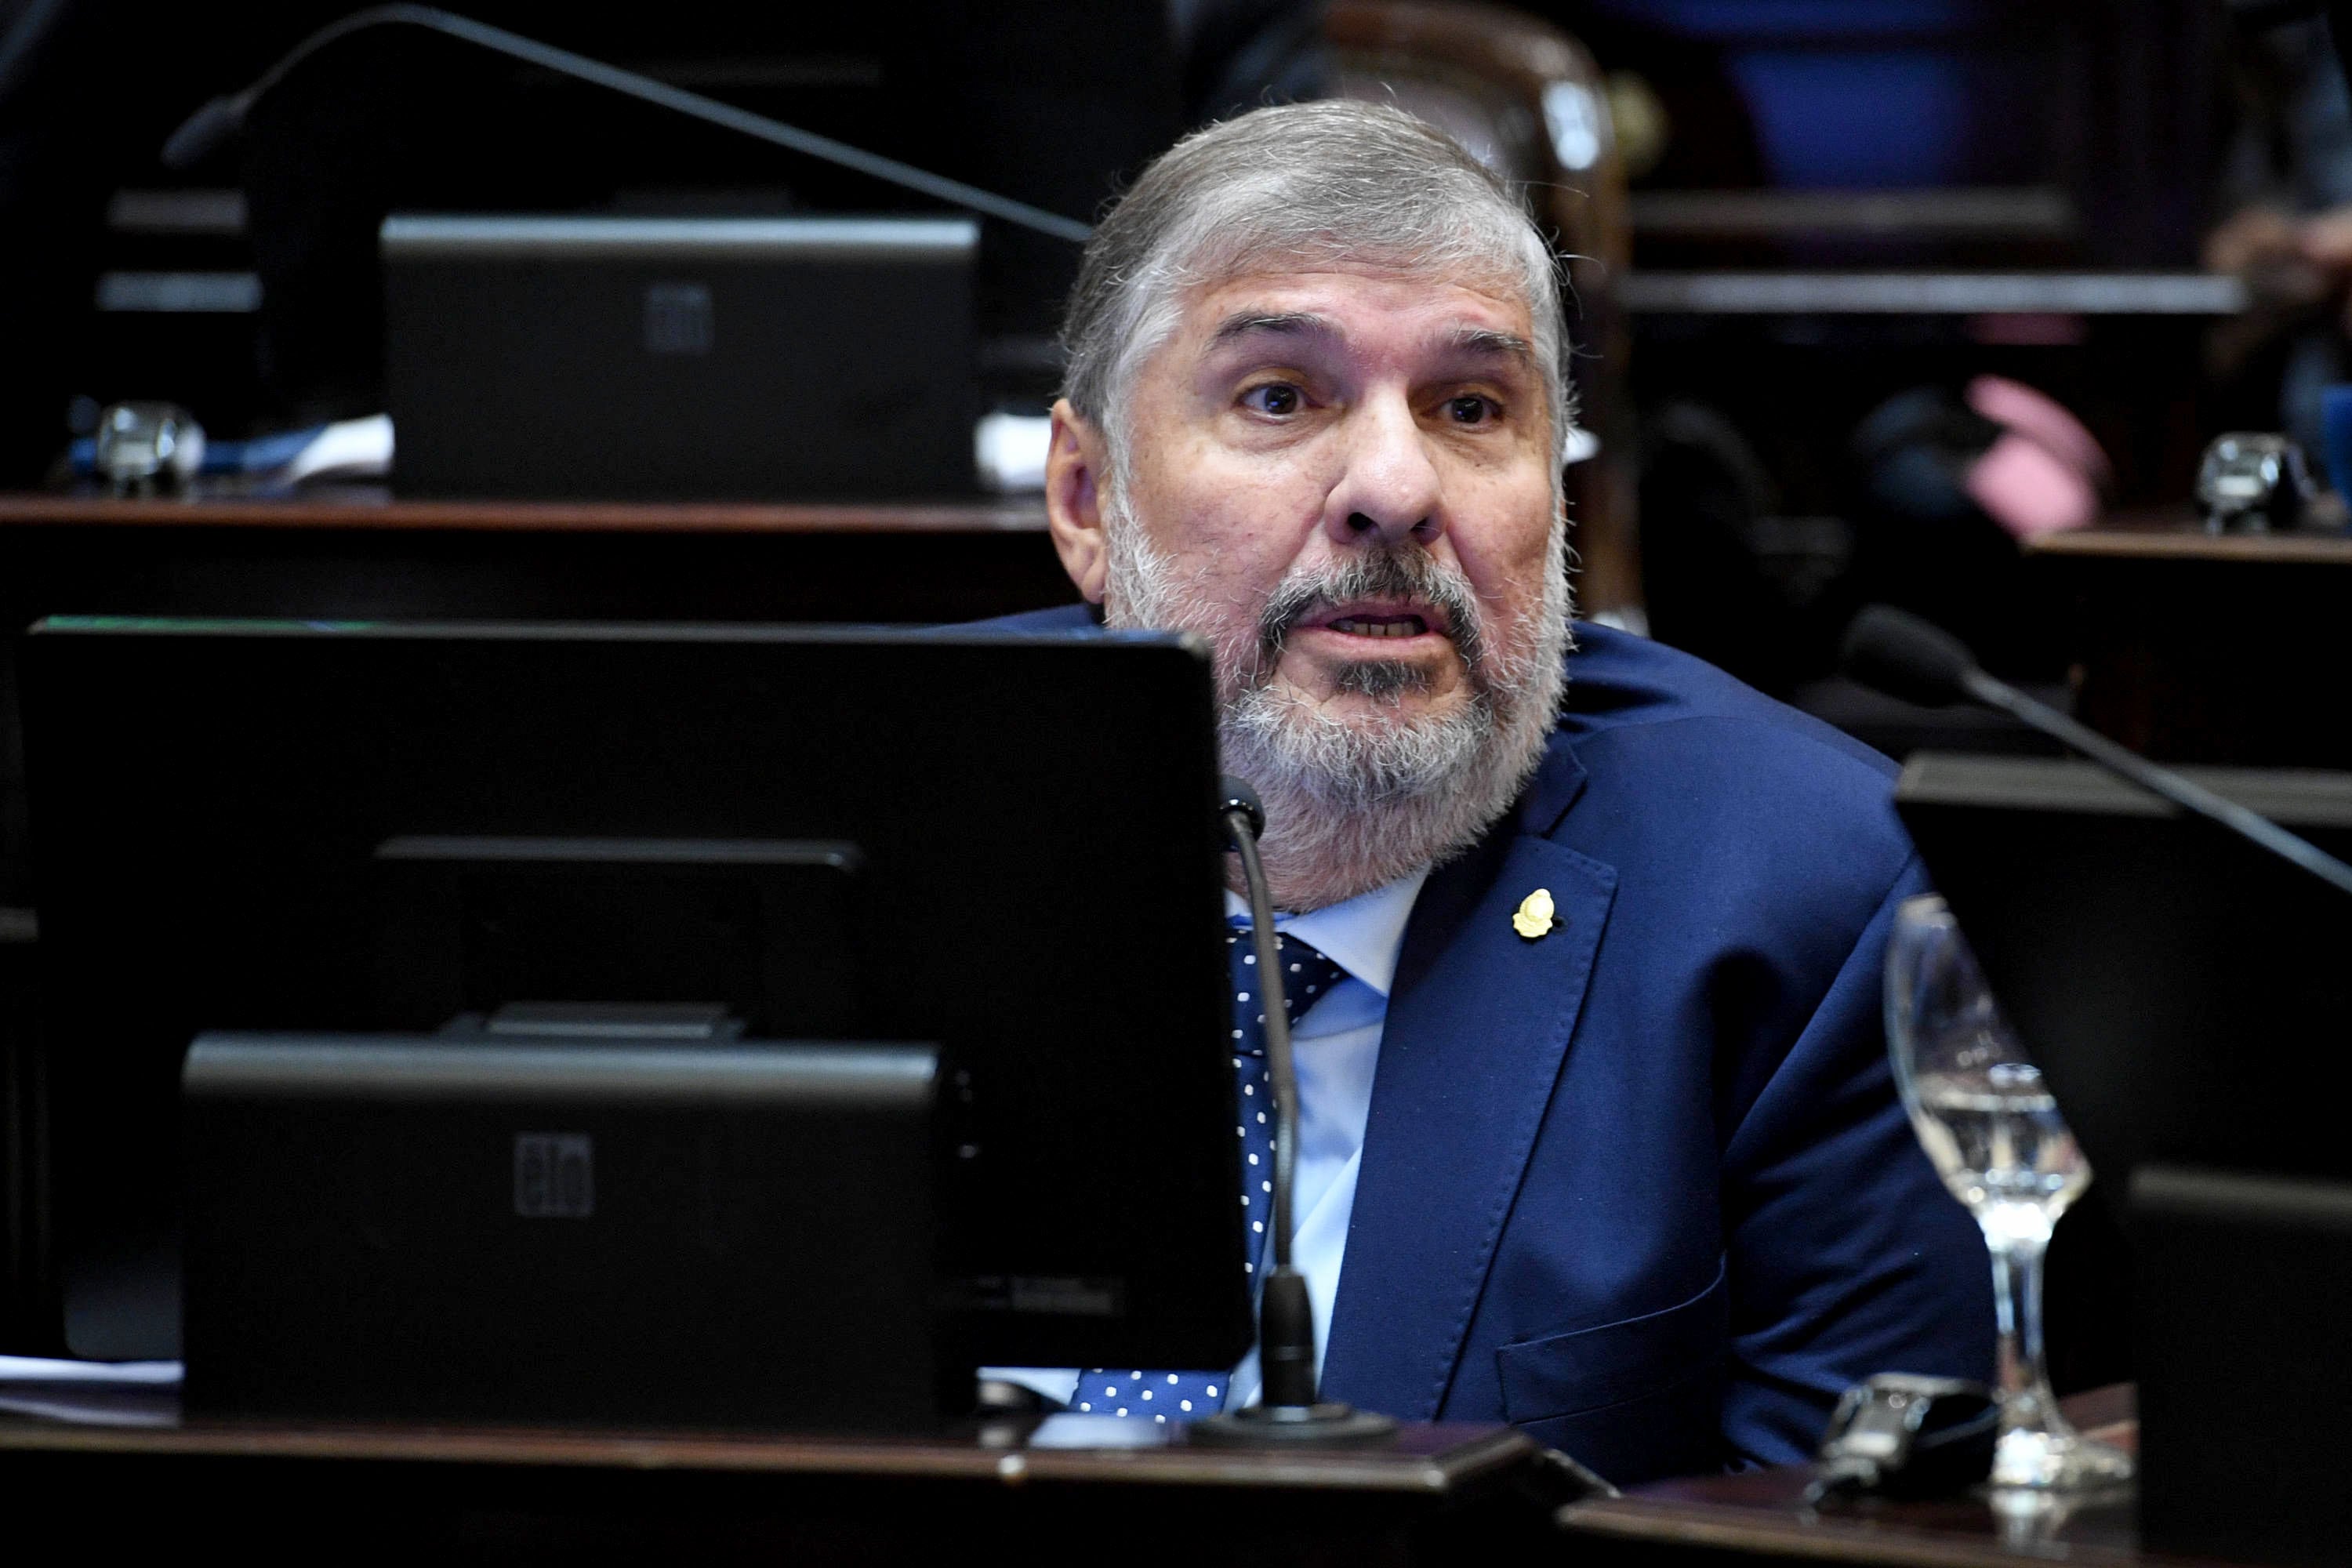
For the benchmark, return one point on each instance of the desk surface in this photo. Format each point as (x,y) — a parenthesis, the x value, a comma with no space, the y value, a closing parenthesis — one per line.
(1757,1517)
(1442,1494)
(1425,1461)
(1764,1515)
(2160,539)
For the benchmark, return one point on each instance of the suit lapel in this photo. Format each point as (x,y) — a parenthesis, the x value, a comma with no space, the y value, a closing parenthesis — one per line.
(1478,1024)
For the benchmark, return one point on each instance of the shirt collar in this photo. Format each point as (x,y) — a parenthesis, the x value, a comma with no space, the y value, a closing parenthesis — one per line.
(1362,935)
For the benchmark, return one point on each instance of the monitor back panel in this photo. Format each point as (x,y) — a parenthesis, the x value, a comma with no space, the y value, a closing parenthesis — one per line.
(735,1235)
(775,359)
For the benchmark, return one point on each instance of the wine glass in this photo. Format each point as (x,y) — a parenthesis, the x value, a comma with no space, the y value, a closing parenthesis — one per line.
(1980,1109)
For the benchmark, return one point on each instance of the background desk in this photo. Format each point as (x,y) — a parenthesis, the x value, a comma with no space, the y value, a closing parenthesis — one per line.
(360,554)
(2199,647)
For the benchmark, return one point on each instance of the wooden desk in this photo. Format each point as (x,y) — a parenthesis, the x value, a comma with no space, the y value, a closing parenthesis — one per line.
(1720,1520)
(1442,1494)
(431,1495)
(2198,648)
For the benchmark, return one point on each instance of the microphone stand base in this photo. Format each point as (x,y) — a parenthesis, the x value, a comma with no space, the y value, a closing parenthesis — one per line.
(1324,1426)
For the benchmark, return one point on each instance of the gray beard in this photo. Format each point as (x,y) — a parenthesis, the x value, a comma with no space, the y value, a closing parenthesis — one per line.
(1354,803)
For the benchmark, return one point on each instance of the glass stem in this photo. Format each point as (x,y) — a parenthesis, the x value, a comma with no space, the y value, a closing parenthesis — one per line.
(2017,1253)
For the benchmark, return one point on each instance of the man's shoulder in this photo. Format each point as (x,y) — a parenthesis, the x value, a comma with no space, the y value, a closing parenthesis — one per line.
(1671,765)
(1628,689)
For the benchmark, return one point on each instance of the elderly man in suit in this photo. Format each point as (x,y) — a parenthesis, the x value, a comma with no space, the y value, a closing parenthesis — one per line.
(1598,1134)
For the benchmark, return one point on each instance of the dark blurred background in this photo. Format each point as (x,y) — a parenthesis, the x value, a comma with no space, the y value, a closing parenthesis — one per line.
(1050,104)
(1760,467)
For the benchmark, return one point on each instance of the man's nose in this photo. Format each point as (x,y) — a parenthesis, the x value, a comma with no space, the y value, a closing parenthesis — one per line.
(1391,489)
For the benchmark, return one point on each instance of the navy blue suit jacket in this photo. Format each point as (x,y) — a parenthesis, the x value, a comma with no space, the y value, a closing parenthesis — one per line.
(1641,1186)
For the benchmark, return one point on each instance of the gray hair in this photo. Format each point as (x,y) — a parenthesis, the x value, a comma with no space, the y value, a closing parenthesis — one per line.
(1290,187)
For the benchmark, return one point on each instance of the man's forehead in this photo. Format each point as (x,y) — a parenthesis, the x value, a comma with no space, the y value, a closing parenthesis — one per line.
(1349,304)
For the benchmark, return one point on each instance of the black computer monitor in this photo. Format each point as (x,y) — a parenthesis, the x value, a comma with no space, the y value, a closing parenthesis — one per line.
(1002,846)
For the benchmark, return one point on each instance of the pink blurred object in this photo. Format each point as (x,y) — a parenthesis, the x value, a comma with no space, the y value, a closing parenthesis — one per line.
(2044,473)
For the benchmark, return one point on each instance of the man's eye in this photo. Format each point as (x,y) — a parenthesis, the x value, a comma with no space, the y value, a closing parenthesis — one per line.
(1470,409)
(1274,397)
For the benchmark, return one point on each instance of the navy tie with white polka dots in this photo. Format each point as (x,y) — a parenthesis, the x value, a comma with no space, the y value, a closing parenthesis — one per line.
(1306,976)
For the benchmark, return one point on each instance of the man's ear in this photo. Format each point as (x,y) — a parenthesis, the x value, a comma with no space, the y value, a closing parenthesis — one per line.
(1077,469)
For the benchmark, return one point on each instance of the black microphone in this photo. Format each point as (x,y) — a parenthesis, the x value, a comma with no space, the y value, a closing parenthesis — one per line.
(222,120)
(1235,796)
(1906,656)
(1289,1409)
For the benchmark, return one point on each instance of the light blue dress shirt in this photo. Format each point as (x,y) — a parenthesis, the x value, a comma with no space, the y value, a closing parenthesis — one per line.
(1336,1045)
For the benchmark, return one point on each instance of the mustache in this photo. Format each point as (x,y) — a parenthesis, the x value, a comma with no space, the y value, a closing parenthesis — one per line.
(1390,573)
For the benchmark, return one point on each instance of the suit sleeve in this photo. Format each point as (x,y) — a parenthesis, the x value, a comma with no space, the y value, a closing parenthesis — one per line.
(1846,1255)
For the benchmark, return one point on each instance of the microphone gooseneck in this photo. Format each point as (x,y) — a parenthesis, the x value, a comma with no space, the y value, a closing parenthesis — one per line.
(222,120)
(1290,1410)
(1242,828)
(1902,655)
